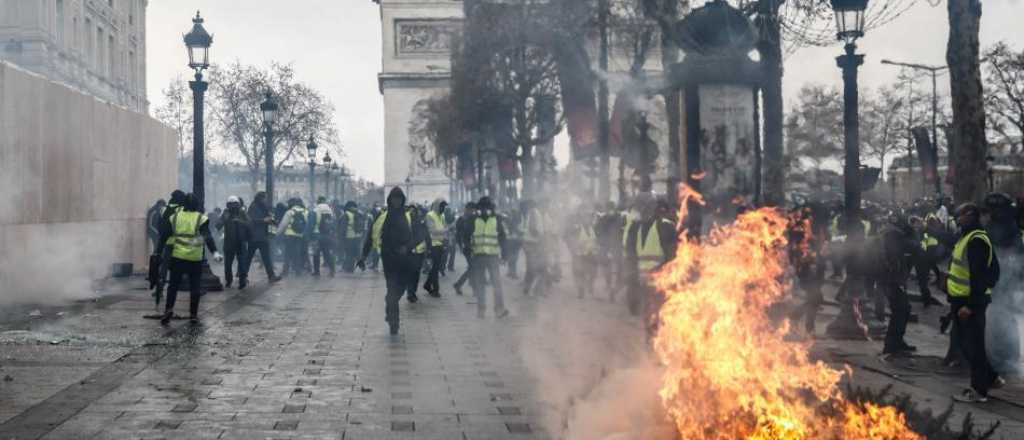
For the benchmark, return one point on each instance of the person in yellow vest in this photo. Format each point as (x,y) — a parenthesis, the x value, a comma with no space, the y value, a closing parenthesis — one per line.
(925,261)
(189,231)
(350,232)
(391,235)
(582,243)
(162,250)
(650,243)
(973,272)
(293,228)
(486,238)
(420,246)
(437,229)
(322,238)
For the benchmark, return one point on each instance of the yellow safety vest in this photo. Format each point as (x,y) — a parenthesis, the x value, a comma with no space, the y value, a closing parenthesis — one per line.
(291,232)
(649,253)
(435,224)
(378,228)
(186,241)
(350,231)
(928,241)
(485,237)
(586,240)
(958,284)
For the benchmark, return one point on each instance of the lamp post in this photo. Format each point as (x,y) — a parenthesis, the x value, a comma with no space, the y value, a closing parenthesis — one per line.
(934,71)
(269,109)
(198,42)
(311,149)
(328,167)
(849,27)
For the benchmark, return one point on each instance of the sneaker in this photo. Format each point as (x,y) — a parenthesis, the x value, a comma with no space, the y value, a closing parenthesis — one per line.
(275,279)
(194,320)
(166,319)
(413,299)
(243,283)
(970,396)
(998,383)
(228,284)
(435,294)
(458,290)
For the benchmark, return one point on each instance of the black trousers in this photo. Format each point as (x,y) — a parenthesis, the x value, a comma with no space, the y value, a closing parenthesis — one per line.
(268,264)
(194,271)
(452,250)
(325,248)
(295,255)
(350,254)
(899,308)
(437,262)
(972,341)
(467,275)
(810,280)
(397,270)
(238,252)
(413,280)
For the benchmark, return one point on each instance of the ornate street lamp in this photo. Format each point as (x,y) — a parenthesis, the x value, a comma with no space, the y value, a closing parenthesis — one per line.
(849,27)
(198,42)
(311,151)
(269,109)
(328,167)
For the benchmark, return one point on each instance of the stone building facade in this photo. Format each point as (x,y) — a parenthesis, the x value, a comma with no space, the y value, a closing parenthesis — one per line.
(95,46)
(416,65)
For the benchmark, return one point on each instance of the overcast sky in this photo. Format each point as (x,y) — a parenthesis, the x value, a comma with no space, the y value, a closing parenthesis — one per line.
(335,46)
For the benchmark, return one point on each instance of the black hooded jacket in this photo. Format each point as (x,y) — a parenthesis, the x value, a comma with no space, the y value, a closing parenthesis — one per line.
(396,234)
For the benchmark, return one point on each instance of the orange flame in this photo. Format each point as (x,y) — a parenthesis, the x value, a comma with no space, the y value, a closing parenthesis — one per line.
(728,372)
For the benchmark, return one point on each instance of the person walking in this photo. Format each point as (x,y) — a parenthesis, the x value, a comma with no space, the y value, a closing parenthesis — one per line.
(189,231)
(234,223)
(973,272)
(650,243)
(461,225)
(350,230)
(486,238)
(420,246)
(391,236)
(534,235)
(322,239)
(293,228)
(893,252)
(437,229)
(261,225)
(582,243)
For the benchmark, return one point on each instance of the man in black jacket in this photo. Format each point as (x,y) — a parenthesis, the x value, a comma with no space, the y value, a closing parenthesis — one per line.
(234,224)
(391,235)
(973,272)
(153,217)
(261,222)
(177,200)
(467,217)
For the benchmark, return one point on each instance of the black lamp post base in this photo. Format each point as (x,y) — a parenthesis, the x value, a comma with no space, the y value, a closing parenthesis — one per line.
(211,283)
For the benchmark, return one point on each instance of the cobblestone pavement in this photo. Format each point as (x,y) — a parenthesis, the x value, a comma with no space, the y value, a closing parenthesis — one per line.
(311,359)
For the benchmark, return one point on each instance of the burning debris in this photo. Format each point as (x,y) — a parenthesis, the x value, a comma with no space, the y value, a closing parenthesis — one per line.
(728,371)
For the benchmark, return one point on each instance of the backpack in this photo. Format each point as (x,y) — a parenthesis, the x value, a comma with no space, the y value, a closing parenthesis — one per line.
(298,222)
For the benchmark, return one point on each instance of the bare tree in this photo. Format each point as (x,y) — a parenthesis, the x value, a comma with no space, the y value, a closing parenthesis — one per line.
(881,123)
(1004,100)
(235,107)
(814,128)
(176,112)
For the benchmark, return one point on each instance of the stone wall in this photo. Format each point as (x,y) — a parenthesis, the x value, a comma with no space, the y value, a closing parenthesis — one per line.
(76,177)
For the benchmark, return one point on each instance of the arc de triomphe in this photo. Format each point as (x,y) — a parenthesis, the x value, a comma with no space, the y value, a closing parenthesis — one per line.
(417,37)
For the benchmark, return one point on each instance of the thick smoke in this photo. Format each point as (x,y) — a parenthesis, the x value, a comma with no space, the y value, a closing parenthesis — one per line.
(51,263)
(1005,317)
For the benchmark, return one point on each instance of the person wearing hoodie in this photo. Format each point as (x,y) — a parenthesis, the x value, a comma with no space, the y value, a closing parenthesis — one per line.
(261,224)
(323,238)
(486,238)
(392,236)
(234,224)
(437,229)
(350,232)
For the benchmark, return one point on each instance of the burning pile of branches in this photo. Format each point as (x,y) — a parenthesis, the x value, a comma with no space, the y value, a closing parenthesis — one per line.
(728,372)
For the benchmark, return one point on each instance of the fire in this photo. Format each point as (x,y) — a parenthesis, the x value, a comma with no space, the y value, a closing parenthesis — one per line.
(728,372)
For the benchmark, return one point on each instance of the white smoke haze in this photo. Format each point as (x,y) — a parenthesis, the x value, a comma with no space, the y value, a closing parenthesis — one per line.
(1005,318)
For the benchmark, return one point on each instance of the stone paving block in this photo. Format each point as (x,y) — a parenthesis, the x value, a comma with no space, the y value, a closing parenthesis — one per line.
(403,426)
(185,407)
(401,410)
(294,409)
(286,425)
